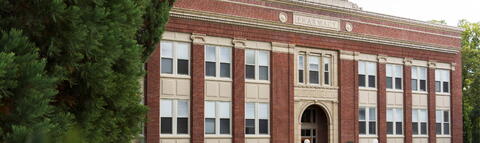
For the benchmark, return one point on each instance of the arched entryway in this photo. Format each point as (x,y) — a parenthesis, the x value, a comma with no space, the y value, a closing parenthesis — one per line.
(314,125)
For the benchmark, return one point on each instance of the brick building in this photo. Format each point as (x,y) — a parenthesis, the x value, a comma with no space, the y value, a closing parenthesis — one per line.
(283,71)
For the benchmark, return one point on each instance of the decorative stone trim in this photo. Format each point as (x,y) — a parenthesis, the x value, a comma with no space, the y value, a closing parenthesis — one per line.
(176,36)
(444,66)
(198,38)
(408,61)
(432,64)
(365,57)
(347,55)
(382,59)
(280,47)
(239,43)
(453,66)
(420,63)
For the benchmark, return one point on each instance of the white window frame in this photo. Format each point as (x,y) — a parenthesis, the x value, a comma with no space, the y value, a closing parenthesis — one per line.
(442,122)
(257,118)
(175,59)
(257,65)
(366,72)
(329,64)
(439,76)
(218,62)
(174,117)
(419,121)
(418,70)
(217,119)
(392,72)
(321,69)
(396,119)
(301,67)
(368,120)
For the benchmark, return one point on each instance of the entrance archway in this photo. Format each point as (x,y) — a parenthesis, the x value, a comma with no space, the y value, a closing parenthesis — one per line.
(314,125)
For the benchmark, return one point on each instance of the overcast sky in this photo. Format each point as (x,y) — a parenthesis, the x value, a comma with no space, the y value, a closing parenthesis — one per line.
(425,10)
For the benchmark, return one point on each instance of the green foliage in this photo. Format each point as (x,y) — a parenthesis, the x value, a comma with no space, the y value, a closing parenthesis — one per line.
(471,80)
(92,52)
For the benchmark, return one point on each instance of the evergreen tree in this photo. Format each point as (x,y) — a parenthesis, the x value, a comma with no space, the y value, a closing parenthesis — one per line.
(95,50)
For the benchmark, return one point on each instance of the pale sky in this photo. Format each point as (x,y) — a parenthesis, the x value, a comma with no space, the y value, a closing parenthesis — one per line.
(449,10)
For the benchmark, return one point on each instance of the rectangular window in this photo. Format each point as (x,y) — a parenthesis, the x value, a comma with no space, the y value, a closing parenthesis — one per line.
(210,61)
(301,68)
(326,70)
(217,117)
(367,74)
(175,57)
(367,121)
(419,121)
(257,64)
(257,114)
(313,69)
(442,81)
(218,61)
(225,62)
(395,121)
(442,122)
(171,123)
(394,76)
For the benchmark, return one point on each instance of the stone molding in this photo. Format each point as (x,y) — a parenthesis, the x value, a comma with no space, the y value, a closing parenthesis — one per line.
(239,43)
(282,47)
(408,61)
(432,64)
(198,38)
(382,58)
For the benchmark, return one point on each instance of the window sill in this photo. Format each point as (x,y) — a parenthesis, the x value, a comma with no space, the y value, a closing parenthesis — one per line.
(171,136)
(215,136)
(442,94)
(257,136)
(395,136)
(368,136)
(395,90)
(257,81)
(419,92)
(367,89)
(420,136)
(174,76)
(443,136)
(316,86)
(217,79)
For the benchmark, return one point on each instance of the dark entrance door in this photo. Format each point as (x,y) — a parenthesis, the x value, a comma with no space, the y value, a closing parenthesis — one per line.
(314,125)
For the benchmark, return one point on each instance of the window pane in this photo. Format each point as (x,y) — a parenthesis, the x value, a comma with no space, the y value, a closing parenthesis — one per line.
(446,128)
(210,54)
(361,68)
(389,83)
(390,115)
(445,75)
(209,109)
(437,86)
(372,128)
(166,108)
(249,71)
(423,85)
(371,68)
(223,109)
(182,67)
(399,115)
(423,128)
(250,126)
(372,114)
(389,70)
(423,115)
(166,125)
(210,69)
(263,126)
(225,55)
(415,128)
(415,116)
(361,114)
(250,57)
(167,65)
(446,87)
(371,81)
(182,125)
(209,125)
(326,78)
(423,73)
(313,77)
(183,51)
(362,127)
(301,63)
(300,76)
(167,49)
(224,70)
(390,128)
(361,80)
(414,73)
(398,71)
(414,85)
(326,64)
(438,75)
(263,112)
(263,58)
(313,62)
(438,128)
(182,108)
(398,83)
(250,111)
(446,116)
(438,115)
(263,73)
(398,128)
(224,126)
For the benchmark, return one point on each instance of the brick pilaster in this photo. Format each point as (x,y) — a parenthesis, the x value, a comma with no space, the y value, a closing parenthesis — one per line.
(381,103)
(152,99)
(348,124)
(456,101)
(238,96)
(198,89)
(432,137)
(407,103)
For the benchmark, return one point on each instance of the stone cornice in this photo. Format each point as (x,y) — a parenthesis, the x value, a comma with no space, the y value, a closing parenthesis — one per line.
(228,19)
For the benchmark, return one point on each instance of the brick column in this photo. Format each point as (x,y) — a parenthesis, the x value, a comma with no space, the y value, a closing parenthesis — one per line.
(198,89)
(238,96)
(407,101)
(348,106)
(432,137)
(281,91)
(381,100)
(152,99)
(456,101)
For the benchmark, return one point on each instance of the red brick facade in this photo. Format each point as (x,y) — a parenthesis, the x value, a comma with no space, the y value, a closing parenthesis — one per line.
(282,67)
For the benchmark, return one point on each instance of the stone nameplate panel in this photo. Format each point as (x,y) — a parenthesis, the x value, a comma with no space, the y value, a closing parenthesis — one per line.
(316,21)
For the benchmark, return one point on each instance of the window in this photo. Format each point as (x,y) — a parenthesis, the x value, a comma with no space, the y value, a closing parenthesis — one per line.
(313,69)
(301,68)
(218,67)
(419,122)
(394,76)
(326,70)
(419,79)
(367,117)
(442,122)
(175,57)
(257,114)
(442,81)
(395,121)
(217,117)
(174,116)
(257,64)
(367,74)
